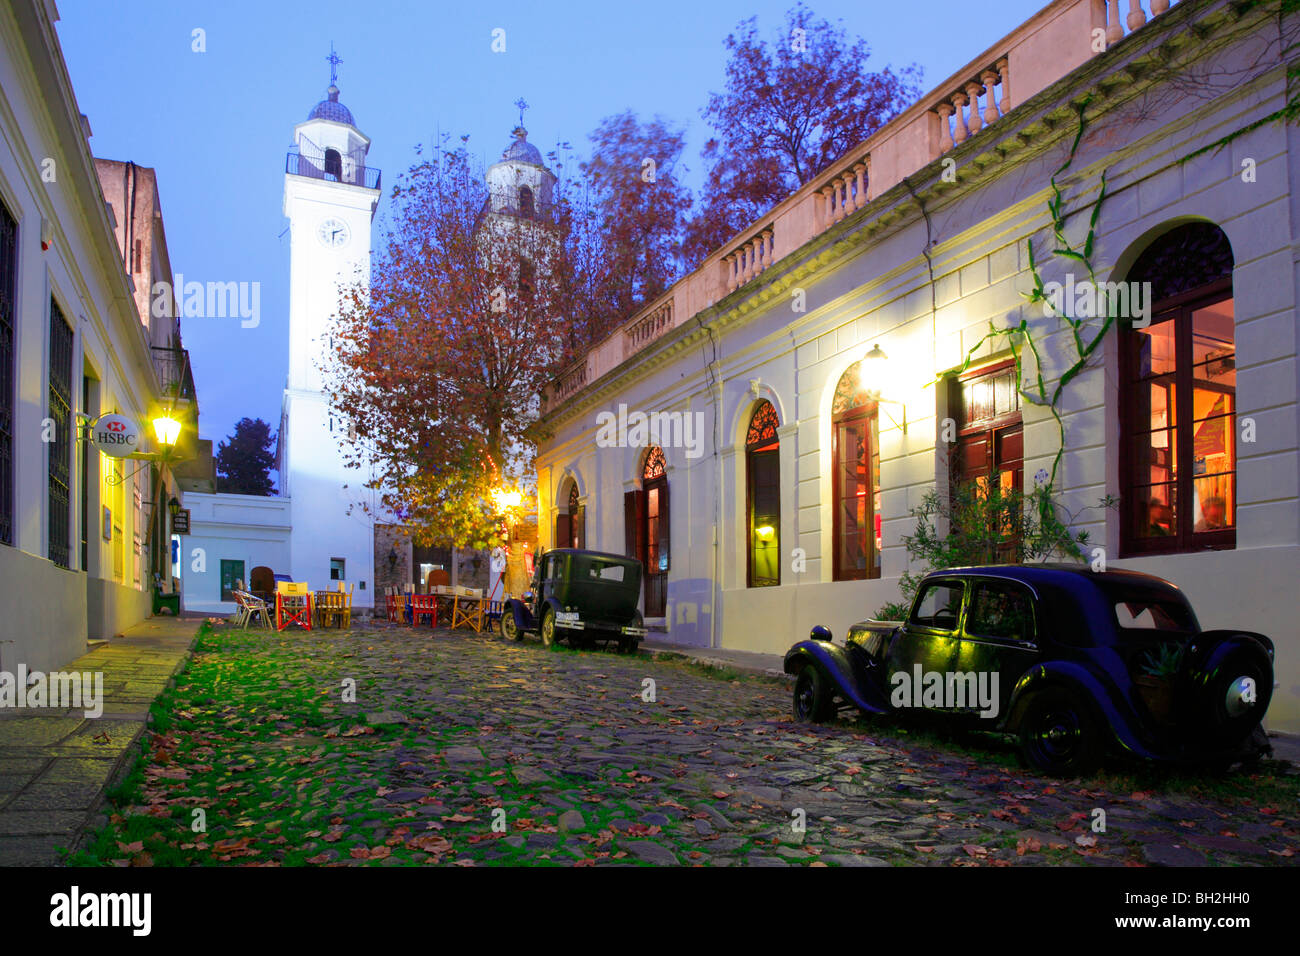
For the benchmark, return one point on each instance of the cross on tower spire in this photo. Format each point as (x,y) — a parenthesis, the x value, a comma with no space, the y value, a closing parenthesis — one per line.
(522,106)
(334,60)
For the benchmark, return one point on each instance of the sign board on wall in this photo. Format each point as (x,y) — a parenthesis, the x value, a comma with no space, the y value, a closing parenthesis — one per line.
(181,522)
(116,436)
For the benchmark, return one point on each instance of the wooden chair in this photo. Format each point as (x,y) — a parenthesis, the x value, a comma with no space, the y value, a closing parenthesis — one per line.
(240,619)
(329,608)
(467,609)
(345,593)
(424,605)
(293,600)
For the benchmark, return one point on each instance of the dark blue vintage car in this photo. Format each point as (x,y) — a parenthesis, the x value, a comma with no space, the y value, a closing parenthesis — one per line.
(1075,663)
(582,597)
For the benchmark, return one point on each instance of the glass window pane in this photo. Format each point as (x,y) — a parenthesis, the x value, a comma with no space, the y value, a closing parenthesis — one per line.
(1215,504)
(1154,349)
(1157,511)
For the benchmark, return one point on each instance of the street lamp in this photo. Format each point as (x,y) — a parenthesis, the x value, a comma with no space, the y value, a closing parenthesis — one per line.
(173,507)
(876,360)
(507,498)
(167,430)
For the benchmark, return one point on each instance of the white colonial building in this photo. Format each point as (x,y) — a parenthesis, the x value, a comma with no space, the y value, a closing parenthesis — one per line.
(83,536)
(824,351)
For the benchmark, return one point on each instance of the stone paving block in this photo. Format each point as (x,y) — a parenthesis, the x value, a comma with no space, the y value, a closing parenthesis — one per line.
(56,796)
(30,850)
(36,731)
(37,822)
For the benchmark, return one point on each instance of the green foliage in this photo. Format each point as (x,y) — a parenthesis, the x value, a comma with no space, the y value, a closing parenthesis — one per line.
(245,459)
(980,524)
(1164,662)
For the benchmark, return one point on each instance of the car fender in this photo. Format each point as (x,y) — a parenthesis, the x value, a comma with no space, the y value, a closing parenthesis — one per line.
(523,619)
(1116,713)
(834,664)
(1211,649)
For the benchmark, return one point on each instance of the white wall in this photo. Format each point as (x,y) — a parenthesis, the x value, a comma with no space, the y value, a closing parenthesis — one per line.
(245,528)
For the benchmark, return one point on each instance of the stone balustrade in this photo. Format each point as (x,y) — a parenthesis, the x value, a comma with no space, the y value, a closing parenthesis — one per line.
(1049,45)
(647,327)
(752,256)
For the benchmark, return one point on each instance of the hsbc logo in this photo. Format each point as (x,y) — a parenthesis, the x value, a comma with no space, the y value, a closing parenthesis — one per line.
(116,436)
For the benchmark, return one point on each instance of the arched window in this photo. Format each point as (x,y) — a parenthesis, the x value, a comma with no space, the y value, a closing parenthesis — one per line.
(1178,397)
(571,525)
(646,524)
(855,479)
(763,497)
(334,164)
(526,205)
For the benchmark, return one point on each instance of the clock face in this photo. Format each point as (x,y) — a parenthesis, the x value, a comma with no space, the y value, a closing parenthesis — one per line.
(333,233)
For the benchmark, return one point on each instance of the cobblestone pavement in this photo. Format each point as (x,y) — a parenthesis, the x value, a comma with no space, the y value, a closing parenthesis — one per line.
(472,750)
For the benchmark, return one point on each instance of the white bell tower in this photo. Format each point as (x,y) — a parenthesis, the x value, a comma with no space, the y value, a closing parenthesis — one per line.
(330,197)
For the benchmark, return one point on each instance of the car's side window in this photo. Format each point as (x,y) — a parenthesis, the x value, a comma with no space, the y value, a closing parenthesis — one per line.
(939,605)
(1000,610)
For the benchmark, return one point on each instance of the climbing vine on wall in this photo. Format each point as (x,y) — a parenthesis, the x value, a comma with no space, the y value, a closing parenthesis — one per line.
(1083,340)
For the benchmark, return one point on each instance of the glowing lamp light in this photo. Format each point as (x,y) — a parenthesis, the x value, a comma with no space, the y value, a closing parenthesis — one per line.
(167,430)
(507,499)
(765,531)
(877,354)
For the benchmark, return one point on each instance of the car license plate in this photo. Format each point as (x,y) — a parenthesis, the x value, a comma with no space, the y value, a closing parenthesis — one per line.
(568,619)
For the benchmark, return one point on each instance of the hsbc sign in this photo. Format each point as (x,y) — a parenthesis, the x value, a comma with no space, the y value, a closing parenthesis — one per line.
(116,436)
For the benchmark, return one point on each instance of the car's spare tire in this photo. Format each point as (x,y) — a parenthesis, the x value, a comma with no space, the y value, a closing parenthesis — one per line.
(1229,691)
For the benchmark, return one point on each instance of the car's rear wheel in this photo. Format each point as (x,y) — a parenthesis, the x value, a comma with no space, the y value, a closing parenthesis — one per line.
(1059,734)
(509,629)
(813,699)
(548,627)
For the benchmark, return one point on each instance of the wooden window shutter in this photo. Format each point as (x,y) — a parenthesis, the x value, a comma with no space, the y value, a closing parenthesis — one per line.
(664,525)
(633,524)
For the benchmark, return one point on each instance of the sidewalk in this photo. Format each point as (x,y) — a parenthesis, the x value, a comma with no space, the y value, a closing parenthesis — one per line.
(745,662)
(55,764)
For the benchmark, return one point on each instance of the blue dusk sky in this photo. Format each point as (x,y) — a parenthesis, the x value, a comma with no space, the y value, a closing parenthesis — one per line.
(216,125)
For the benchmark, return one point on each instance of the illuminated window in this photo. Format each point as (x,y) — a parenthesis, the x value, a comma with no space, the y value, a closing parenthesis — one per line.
(646,523)
(763,497)
(855,477)
(1178,399)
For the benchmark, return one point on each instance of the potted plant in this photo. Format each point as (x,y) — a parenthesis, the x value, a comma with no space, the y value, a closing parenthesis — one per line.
(1156,682)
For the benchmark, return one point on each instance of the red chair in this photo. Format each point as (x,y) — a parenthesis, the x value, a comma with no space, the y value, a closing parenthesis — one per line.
(292,604)
(424,605)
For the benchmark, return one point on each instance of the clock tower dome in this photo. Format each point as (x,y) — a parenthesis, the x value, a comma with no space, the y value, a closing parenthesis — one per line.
(330,198)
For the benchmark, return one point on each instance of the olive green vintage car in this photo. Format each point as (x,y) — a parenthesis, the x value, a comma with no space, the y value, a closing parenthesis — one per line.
(582,597)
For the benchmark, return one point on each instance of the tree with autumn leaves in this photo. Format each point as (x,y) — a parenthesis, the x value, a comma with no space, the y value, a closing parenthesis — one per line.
(439,362)
(789,109)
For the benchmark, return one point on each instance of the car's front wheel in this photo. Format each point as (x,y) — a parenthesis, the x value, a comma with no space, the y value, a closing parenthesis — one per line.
(813,699)
(548,627)
(509,629)
(1059,734)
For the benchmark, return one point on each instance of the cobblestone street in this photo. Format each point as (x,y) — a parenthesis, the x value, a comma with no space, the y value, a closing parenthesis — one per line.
(473,750)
